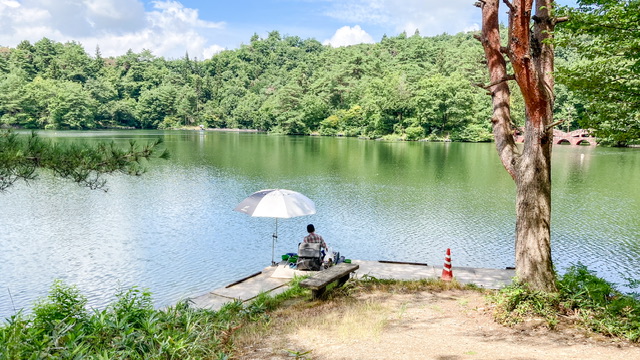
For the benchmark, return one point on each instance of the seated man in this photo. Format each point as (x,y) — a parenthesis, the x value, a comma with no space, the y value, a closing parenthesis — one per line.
(314,238)
(328,256)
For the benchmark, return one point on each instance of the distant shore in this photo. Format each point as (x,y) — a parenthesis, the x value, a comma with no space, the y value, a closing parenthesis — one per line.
(228,130)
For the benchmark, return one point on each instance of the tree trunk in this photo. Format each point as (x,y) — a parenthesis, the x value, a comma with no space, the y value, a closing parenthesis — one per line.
(533,211)
(532,60)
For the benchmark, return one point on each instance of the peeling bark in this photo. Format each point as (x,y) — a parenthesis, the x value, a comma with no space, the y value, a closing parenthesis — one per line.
(532,60)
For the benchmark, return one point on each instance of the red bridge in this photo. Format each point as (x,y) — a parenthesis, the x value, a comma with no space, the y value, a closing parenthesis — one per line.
(576,137)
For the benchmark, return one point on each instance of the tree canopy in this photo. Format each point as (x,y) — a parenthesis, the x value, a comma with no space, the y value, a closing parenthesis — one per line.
(601,42)
(412,87)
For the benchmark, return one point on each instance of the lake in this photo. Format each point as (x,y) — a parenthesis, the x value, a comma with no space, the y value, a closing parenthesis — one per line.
(173,230)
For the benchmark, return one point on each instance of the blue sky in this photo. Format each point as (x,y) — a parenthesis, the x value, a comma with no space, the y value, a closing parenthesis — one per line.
(170,28)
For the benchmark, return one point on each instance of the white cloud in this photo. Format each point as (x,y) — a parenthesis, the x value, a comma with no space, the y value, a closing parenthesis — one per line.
(9,3)
(347,35)
(172,15)
(212,50)
(430,17)
(472,27)
(115,16)
(169,29)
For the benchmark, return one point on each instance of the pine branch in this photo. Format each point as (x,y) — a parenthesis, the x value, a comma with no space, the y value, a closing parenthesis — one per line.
(21,159)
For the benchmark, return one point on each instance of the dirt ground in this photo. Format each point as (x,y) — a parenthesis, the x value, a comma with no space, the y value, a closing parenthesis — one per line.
(450,325)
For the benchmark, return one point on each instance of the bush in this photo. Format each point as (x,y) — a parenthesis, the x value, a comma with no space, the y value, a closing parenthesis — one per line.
(473,133)
(516,303)
(414,132)
(130,328)
(63,304)
(601,307)
(170,122)
(61,327)
(593,301)
(327,131)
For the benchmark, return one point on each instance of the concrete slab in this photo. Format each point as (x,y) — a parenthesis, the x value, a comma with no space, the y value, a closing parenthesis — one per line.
(274,279)
(250,288)
(393,270)
(244,289)
(283,271)
(209,301)
(493,278)
(482,277)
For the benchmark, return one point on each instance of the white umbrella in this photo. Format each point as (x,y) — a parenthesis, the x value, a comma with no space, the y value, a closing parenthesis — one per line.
(276,203)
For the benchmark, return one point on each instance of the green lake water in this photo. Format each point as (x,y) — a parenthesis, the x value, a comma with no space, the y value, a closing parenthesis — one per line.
(174,232)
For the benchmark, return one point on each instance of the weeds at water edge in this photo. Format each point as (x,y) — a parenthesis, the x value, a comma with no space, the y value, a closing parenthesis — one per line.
(592,302)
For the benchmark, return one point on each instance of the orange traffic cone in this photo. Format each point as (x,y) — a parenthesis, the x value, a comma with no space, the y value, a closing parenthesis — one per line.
(447,274)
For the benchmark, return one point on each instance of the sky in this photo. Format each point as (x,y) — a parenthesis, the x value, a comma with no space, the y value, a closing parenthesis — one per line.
(201,28)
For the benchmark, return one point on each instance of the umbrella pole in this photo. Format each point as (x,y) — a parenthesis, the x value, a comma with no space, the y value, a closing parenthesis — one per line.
(273,244)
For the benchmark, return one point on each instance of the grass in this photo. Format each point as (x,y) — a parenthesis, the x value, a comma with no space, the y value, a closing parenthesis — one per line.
(130,328)
(300,354)
(346,316)
(370,283)
(583,299)
(516,303)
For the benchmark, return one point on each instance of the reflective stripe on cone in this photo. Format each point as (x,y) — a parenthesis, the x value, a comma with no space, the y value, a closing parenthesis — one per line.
(447,274)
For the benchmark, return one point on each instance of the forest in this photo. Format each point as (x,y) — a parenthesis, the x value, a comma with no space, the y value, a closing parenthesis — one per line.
(403,87)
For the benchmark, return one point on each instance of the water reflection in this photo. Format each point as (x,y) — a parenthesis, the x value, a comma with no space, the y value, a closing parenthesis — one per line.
(173,230)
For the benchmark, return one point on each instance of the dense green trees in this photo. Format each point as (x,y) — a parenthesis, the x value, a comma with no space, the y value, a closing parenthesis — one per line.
(602,39)
(413,87)
(409,87)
